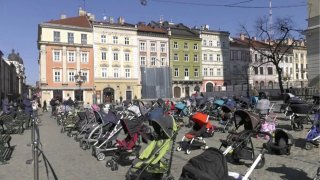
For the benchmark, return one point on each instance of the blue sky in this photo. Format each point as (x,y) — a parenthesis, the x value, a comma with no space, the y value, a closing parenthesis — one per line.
(20,18)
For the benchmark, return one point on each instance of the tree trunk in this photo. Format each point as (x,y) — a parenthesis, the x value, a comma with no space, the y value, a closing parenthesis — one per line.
(279,71)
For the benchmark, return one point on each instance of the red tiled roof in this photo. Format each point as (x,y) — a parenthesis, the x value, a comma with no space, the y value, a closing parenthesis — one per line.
(255,43)
(80,21)
(151,29)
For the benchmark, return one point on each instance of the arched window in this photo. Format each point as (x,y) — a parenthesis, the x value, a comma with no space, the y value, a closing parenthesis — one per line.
(209,87)
(177,92)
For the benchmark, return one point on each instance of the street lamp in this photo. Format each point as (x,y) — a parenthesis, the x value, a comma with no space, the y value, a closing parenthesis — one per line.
(79,79)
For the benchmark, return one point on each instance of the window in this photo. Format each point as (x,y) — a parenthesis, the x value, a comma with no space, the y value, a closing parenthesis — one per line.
(153,47)
(56,36)
(205,57)
(196,72)
(210,57)
(153,61)
(302,75)
(223,44)
(211,72)
(204,42)
(195,58)
(70,38)
(255,70)
(162,47)
(256,57)
(126,41)
(84,57)
(57,75)
(218,72)
(116,73)
(175,45)
(56,55)
(103,38)
(302,57)
(205,72)
(163,60)
(185,46)
(218,44)
(126,57)
(218,57)
(290,59)
(142,46)
(104,72)
(176,72)
(115,39)
(142,60)
(270,71)
(186,57)
(195,46)
(261,70)
(175,57)
(71,76)
(85,76)
(71,56)
(115,56)
(210,43)
(103,55)
(291,70)
(83,38)
(127,73)
(286,59)
(186,72)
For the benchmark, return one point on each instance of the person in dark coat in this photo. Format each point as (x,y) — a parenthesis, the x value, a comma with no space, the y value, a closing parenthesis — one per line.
(44,107)
(27,104)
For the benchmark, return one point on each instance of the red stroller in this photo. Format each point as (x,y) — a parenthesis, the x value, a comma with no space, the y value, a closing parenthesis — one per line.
(201,129)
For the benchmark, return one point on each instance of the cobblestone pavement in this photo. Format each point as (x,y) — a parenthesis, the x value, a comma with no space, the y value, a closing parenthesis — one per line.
(70,162)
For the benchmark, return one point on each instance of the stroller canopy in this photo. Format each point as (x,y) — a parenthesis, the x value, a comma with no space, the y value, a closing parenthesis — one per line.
(210,165)
(200,118)
(180,105)
(135,110)
(131,127)
(109,117)
(166,125)
(156,113)
(249,120)
(219,102)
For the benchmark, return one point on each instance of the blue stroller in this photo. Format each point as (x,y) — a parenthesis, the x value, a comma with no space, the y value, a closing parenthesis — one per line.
(313,136)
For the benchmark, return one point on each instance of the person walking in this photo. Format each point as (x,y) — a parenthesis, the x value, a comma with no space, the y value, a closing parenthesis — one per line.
(44,107)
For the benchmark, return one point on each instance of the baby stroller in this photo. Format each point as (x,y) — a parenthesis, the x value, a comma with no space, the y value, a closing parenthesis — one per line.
(106,144)
(281,142)
(239,144)
(152,163)
(211,165)
(313,136)
(181,111)
(128,148)
(227,114)
(301,114)
(202,128)
(215,108)
(98,129)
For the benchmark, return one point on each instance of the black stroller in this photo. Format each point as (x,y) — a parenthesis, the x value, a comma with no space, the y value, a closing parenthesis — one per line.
(239,144)
(301,114)
(281,142)
(211,165)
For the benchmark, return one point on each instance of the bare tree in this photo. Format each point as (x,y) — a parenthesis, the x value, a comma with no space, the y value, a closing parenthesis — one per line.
(272,41)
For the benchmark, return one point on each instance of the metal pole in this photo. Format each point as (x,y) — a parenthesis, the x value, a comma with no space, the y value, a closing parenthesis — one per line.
(35,149)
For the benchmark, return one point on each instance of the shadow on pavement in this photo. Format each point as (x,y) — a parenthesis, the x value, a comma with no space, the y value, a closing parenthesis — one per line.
(289,173)
(285,126)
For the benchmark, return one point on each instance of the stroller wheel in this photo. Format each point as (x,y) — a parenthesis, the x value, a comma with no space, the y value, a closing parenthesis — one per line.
(261,163)
(188,151)
(101,156)
(179,148)
(170,177)
(205,147)
(84,146)
(109,163)
(308,146)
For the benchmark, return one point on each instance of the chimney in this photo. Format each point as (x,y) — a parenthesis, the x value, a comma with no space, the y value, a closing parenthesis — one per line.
(63,16)
(161,19)
(254,38)
(242,36)
(169,31)
(91,16)
(206,27)
(121,20)
(82,12)
(289,41)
